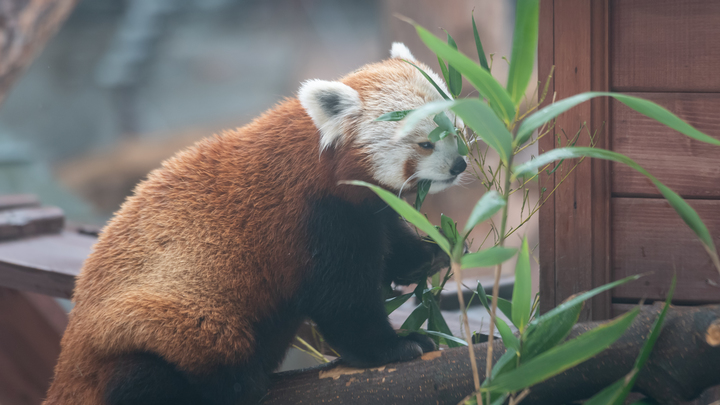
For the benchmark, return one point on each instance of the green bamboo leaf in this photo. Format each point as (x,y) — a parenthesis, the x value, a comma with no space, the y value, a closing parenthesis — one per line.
(618,392)
(449,228)
(608,395)
(436,134)
(423,187)
(462,147)
(486,207)
(416,319)
(454,77)
(457,342)
(525,40)
(507,362)
(444,122)
(391,304)
(478,45)
(430,79)
(444,70)
(481,118)
(686,212)
(578,298)
(479,77)
(642,106)
(436,322)
(522,291)
(393,116)
(426,110)
(544,334)
(488,257)
(505,307)
(509,340)
(563,357)
(483,297)
(407,212)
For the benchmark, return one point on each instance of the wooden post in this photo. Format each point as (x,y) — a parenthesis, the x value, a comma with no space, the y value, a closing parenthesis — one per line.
(574,226)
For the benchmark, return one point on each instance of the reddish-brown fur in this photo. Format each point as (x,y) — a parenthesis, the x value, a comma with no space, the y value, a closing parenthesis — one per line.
(207,245)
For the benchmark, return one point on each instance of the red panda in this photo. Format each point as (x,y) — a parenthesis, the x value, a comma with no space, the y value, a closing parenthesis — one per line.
(196,287)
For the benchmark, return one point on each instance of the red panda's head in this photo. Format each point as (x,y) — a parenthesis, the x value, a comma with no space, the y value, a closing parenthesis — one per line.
(345,111)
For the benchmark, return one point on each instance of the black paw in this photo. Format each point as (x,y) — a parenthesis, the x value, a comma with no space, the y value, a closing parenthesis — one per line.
(403,349)
(427,344)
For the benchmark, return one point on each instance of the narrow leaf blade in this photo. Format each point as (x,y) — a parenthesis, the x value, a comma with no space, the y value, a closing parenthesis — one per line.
(488,257)
(481,118)
(454,77)
(522,290)
(479,47)
(394,115)
(490,203)
(563,357)
(479,77)
(525,39)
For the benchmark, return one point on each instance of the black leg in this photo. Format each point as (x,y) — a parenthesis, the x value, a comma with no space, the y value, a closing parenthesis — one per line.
(147,379)
(343,294)
(411,258)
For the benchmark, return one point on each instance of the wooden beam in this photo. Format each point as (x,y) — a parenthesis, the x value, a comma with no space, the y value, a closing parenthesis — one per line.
(26,27)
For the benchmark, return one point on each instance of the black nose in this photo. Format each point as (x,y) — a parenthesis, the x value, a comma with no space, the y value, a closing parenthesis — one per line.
(458,166)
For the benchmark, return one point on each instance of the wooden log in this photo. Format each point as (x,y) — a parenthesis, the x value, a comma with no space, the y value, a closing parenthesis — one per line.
(26,27)
(683,364)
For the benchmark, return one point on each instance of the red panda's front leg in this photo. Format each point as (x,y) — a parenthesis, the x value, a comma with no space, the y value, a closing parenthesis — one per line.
(343,294)
(411,259)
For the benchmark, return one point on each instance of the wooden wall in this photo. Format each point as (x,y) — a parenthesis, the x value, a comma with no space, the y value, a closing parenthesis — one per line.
(607,221)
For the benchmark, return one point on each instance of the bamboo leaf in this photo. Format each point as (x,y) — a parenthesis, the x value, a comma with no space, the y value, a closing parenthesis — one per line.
(393,116)
(391,304)
(423,187)
(563,357)
(525,39)
(686,212)
(455,79)
(416,319)
(481,118)
(486,207)
(479,47)
(430,79)
(436,322)
(444,70)
(426,110)
(448,338)
(509,340)
(488,257)
(407,212)
(449,229)
(436,134)
(522,290)
(642,106)
(479,77)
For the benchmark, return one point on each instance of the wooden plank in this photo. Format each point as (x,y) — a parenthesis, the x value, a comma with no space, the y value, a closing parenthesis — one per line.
(30,331)
(44,264)
(573,220)
(665,45)
(27,26)
(546,219)
(23,222)
(600,210)
(11,201)
(689,167)
(648,236)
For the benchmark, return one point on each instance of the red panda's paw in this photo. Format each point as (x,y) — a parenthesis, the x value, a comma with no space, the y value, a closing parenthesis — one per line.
(427,344)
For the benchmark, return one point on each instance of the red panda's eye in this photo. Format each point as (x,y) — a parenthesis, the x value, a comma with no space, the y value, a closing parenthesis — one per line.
(427,145)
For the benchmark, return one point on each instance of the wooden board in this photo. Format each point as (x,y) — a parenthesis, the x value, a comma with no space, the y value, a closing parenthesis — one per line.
(30,331)
(44,264)
(665,45)
(689,167)
(648,236)
(575,251)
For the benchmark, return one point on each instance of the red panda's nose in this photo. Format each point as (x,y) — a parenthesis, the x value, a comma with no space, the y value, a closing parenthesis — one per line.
(458,166)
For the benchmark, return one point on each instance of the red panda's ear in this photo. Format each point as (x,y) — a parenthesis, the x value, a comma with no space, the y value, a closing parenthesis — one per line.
(328,104)
(399,50)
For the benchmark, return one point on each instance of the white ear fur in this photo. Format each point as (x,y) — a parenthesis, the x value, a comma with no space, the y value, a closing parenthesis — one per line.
(328,104)
(399,50)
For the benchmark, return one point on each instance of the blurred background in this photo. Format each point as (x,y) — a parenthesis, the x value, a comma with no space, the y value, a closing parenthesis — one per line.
(126,84)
